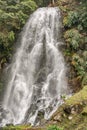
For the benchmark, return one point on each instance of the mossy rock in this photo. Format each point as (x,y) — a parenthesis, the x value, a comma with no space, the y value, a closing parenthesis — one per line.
(78,97)
(73,113)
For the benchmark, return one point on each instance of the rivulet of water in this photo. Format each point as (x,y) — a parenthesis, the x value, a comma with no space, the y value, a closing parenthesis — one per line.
(38,73)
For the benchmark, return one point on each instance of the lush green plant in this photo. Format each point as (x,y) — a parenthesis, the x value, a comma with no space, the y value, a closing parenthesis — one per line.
(79,64)
(83,16)
(73,38)
(11,36)
(27,6)
(77,18)
(54,127)
(75,23)
(13,15)
(71,19)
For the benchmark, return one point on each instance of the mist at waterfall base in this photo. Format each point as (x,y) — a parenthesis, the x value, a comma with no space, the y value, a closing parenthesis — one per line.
(38,74)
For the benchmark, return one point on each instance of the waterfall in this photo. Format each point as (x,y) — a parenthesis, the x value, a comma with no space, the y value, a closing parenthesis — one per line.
(38,73)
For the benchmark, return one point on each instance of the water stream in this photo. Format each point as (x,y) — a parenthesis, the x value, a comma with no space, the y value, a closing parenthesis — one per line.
(38,73)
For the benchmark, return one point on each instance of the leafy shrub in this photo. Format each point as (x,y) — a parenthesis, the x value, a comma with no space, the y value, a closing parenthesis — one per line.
(11,36)
(83,15)
(79,65)
(71,19)
(12,8)
(5,17)
(12,2)
(3,5)
(13,15)
(73,38)
(75,18)
(21,18)
(54,127)
(27,6)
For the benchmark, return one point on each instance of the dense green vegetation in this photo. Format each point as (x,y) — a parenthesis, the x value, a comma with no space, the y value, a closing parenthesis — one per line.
(75,35)
(13,15)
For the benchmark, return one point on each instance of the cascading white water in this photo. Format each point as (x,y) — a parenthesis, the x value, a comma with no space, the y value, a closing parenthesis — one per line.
(37,77)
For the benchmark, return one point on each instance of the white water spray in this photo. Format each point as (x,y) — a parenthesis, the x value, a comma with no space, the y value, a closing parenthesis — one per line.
(37,77)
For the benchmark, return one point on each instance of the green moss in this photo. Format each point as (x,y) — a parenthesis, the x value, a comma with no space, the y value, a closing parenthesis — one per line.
(18,127)
(76,120)
(78,97)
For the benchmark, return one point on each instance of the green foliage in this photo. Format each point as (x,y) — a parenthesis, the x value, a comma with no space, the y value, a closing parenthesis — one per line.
(3,4)
(83,14)
(80,65)
(76,18)
(54,127)
(67,52)
(39,2)
(71,19)
(75,23)
(73,38)
(13,15)
(12,8)
(11,36)
(27,6)
(21,18)
(18,127)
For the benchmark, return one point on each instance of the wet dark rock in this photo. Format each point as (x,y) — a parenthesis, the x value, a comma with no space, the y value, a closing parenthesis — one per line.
(67,110)
(84,113)
(40,118)
(41,114)
(77,108)
(10,124)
